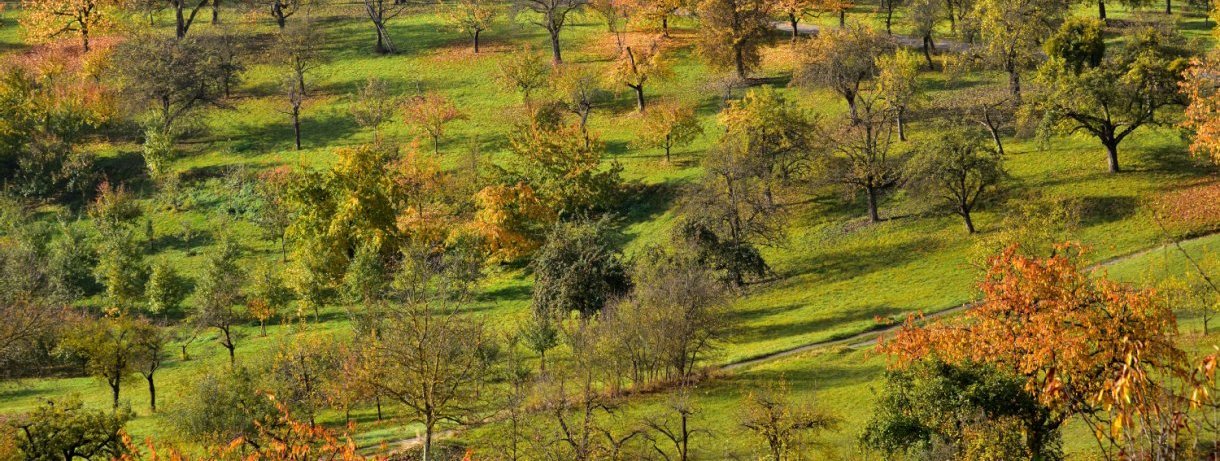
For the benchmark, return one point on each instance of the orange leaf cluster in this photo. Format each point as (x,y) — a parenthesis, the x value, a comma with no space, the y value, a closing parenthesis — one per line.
(1084,344)
(1202,79)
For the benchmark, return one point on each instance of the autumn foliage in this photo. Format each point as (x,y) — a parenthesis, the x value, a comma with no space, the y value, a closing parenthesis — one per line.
(1086,346)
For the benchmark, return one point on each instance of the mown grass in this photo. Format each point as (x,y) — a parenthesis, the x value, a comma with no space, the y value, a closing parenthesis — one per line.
(835,274)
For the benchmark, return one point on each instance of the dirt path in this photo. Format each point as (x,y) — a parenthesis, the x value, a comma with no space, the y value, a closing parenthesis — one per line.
(869,338)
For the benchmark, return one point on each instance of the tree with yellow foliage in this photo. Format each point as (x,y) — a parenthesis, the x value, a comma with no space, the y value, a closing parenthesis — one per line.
(47,19)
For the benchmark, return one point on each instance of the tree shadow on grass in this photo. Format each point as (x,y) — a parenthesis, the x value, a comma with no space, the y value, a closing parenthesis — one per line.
(840,265)
(1097,210)
(775,330)
(1175,160)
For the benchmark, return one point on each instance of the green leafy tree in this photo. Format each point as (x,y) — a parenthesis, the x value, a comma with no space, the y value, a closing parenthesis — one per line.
(933,406)
(149,353)
(956,169)
(121,268)
(1129,88)
(1013,30)
(166,289)
(225,405)
(472,17)
(267,296)
(577,270)
(219,295)
(108,345)
(64,430)
(898,85)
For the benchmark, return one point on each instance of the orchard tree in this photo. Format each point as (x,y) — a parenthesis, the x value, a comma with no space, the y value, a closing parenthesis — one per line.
(373,105)
(281,10)
(109,346)
(669,125)
(1085,347)
(1127,89)
(655,11)
(64,430)
(731,33)
(184,15)
(166,289)
(924,16)
(577,270)
(889,6)
(524,71)
(989,106)
(299,372)
(864,157)
(299,47)
(268,297)
(551,15)
(898,85)
(842,60)
(472,17)
(1013,30)
(579,88)
(773,135)
(784,425)
(635,66)
(380,12)
(148,355)
(219,295)
(429,113)
(430,355)
(47,19)
(835,7)
(1199,86)
(955,168)
(294,95)
(795,10)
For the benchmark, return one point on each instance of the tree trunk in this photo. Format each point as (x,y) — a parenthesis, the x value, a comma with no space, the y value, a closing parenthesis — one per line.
(1112,155)
(740,60)
(851,107)
(262,325)
(114,393)
(795,30)
(427,441)
(215,12)
(296,126)
(639,97)
(843,18)
(1014,84)
(152,394)
(556,56)
(667,148)
(1168,6)
(180,27)
(873,216)
(277,10)
(889,18)
(902,126)
(965,212)
(84,37)
(927,51)
(665,25)
(476,41)
(378,399)
(995,136)
(1101,10)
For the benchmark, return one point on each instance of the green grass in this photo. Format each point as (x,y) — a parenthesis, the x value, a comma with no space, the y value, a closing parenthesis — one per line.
(834,275)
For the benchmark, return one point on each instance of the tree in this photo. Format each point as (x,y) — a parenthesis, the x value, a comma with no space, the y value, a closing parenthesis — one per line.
(121,267)
(566,173)
(1084,347)
(956,169)
(166,289)
(472,17)
(299,372)
(615,14)
(578,89)
(783,425)
(1012,32)
(932,405)
(635,67)
(148,355)
(889,6)
(223,406)
(773,136)
(523,71)
(795,10)
(677,433)
(173,78)
(64,430)
(551,15)
(267,296)
(669,125)
(108,345)
(219,294)
(924,16)
(842,60)
(658,11)
(380,12)
(989,106)
(281,10)
(428,114)
(47,19)
(1128,89)
(577,270)
(836,7)
(373,105)
(863,154)
(731,33)
(898,85)
(428,357)
(274,213)
(540,335)
(299,47)
(184,15)
(295,97)
(1199,87)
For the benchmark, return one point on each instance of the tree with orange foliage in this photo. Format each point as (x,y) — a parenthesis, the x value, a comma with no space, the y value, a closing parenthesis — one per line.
(796,10)
(1086,347)
(47,19)
(429,114)
(1200,84)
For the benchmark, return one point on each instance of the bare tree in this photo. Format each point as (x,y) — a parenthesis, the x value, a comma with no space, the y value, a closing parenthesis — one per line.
(373,105)
(551,15)
(295,96)
(864,156)
(184,14)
